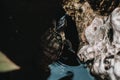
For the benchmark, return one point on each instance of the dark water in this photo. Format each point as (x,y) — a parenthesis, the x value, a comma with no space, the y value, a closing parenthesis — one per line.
(60,70)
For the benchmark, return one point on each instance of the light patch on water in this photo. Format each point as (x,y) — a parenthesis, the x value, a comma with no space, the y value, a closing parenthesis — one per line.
(60,70)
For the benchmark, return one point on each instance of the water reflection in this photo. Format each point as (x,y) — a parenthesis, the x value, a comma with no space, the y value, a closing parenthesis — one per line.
(60,70)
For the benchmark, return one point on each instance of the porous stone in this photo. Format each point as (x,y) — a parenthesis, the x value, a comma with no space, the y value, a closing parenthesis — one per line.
(103,51)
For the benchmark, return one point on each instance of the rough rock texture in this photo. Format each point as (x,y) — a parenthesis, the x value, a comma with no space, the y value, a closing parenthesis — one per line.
(84,11)
(103,47)
(98,25)
(81,13)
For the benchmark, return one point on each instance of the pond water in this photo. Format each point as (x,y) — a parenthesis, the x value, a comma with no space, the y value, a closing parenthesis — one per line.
(59,70)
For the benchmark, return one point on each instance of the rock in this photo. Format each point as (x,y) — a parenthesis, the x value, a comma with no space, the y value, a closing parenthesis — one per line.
(98,26)
(101,49)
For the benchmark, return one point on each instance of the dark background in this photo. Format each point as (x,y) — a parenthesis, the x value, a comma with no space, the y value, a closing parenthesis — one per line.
(21,26)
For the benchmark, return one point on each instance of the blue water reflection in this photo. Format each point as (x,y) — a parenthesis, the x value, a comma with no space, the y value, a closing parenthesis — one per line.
(60,70)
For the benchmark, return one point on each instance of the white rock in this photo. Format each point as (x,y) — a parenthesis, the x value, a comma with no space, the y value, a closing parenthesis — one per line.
(106,53)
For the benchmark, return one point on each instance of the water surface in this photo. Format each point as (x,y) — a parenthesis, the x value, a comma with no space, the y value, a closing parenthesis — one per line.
(60,70)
